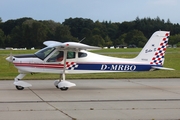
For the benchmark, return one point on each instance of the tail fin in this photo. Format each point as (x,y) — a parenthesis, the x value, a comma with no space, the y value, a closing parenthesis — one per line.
(154,50)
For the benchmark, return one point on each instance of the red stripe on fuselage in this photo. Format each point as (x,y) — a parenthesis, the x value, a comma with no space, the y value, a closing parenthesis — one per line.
(39,65)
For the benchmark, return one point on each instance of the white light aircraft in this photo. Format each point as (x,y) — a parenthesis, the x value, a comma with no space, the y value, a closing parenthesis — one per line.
(72,58)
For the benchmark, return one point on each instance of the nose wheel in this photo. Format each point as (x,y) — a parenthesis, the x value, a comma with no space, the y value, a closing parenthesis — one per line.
(20,85)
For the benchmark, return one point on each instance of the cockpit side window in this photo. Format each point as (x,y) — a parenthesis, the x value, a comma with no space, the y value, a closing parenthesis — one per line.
(43,53)
(71,55)
(56,57)
(81,54)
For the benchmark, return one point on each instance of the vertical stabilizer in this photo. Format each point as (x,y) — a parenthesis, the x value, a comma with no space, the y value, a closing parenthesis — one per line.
(154,50)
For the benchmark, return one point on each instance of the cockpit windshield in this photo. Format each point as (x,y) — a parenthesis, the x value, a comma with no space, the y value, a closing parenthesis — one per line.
(43,53)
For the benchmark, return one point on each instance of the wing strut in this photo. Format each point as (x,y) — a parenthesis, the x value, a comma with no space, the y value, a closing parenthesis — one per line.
(64,70)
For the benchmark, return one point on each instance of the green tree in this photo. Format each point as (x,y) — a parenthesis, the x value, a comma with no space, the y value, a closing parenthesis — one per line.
(29,34)
(108,42)
(174,39)
(39,33)
(2,38)
(86,32)
(135,37)
(16,36)
(9,25)
(178,44)
(97,40)
(96,31)
(139,41)
(26,32)
(78,25)
(7,41)
(121,40)
(100,29)
(63,34)
(51,28)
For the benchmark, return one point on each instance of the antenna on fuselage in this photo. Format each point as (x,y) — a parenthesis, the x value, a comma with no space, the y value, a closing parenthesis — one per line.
(82,39)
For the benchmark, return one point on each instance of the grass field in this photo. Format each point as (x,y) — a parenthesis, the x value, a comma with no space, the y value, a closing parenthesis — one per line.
(9,72)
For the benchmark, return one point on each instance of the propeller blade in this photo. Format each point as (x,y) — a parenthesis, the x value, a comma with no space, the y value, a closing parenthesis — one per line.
(10,58)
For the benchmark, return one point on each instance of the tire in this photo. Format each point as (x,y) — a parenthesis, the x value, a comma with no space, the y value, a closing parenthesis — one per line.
(64,88)
(19,88)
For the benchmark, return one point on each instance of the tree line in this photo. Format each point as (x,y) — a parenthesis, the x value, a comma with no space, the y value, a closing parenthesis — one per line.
(27,32)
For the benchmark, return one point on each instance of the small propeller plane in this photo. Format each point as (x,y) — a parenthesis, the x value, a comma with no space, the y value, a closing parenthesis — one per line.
(72,58)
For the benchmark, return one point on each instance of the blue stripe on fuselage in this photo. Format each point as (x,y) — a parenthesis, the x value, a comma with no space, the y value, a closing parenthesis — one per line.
(114,67)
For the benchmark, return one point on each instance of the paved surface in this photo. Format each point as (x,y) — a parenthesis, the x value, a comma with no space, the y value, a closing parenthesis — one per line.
(139,99)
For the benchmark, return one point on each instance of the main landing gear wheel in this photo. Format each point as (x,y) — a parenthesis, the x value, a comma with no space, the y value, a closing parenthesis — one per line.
(63,84)
(19,87)
(64,88)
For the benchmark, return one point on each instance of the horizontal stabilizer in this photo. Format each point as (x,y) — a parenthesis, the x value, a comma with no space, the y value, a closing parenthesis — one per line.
(22,84)
(162,68)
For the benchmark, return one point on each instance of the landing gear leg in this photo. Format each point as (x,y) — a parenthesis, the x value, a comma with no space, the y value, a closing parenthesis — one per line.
(20,85)
(63,83)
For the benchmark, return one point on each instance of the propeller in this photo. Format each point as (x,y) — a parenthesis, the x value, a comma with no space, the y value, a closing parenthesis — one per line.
(10,58)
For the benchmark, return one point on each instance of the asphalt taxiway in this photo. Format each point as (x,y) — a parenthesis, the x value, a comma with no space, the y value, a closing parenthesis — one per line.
(105,99)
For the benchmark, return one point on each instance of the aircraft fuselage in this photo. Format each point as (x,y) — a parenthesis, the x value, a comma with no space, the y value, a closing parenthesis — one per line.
(86,64)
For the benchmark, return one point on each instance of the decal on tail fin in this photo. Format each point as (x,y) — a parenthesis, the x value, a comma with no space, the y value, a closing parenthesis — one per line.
(158,58)
(154,50)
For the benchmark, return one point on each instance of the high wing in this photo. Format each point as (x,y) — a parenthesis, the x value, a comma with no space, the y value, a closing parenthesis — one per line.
(69,45)
(62,83)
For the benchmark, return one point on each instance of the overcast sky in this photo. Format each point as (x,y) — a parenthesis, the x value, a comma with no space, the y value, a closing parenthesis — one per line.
(102,10)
